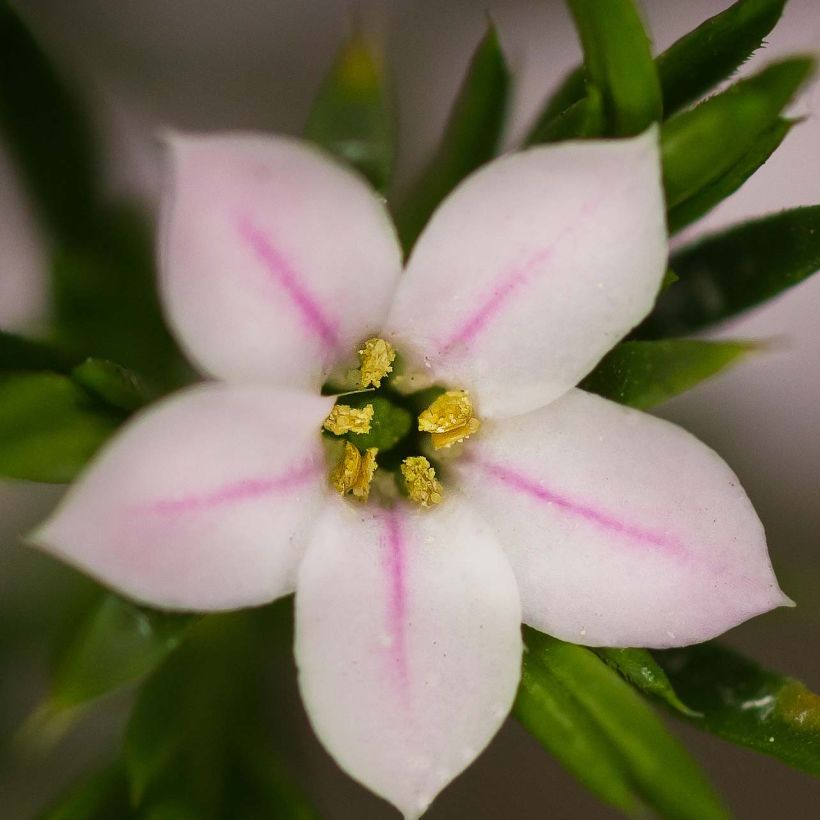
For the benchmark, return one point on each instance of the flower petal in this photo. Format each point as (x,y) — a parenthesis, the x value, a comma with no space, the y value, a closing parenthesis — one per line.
(276,261)
(203,502)
(622,529)
(533,268)
(408,644)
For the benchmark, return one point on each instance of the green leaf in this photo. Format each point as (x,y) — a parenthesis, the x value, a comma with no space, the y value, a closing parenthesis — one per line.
(118,643)
(18,354)
(103,796)
(582,120)
(700,145)
(642,670)
(618,61)
(351,115)
(49,427)
(46,133)
(706,56)
(725,274)
(112,383)
(724,186)
(746,704)
(470,139)
(643,374)
(690,67)
(656,765)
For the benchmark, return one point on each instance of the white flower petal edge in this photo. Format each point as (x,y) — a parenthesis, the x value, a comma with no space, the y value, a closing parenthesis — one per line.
(202,502)
(408,644)
(622,529)
(275,260)
(533,268)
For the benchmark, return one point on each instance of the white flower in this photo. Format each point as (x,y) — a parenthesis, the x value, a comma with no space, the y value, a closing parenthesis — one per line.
(592,522)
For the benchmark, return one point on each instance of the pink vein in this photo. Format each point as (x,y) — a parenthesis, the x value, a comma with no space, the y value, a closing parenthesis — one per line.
(529,486)
(285,275)
(233,492)
(395,564)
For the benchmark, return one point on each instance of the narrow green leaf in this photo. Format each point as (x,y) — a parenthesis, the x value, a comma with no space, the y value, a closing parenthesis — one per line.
(659,768)
(691,66)
(618,61)
(643,671)
(702,202)
(700,145)
(104,796)
(49,427)
(112,383)
(725,274)
(45,132)
(118,643)
(351,114)
(582,120)
(470,139)
(643,374)
(746,704)
(18,354)
(706,56)
(549,711)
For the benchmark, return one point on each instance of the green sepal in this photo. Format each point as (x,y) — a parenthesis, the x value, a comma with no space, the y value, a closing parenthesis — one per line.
(643,671)
(746,704)
(651,760)
(50,426)
(698,205)
(618,61)
(582,120)
(727,273)
(700,145)
(351,115)
(470,139)
(118,643)
(644,374)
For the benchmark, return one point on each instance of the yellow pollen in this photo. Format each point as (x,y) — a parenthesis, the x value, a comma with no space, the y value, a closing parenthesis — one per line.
(422,485)
(449,419)
(376,359)
(345,419)
(354,472)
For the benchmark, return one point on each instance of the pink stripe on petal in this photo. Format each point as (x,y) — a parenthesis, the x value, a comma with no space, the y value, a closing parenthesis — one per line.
(521,483)
(395,546)
(311,312)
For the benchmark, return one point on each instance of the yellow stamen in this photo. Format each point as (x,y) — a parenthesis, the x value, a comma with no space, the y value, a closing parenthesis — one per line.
(345,419)
(422,485)
(376,359)
(354,472)
(449,418)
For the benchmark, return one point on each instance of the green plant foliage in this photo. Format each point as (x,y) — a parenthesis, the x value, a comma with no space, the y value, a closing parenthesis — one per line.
(46,133)
(651,762)
(117,642)
(724,186)
(746,704)
(111,383)
(642,670)
(18,354)
(49,426)
(583,119)
(643,374)
(104,796)
(618,61)
(725,274)
(351,114)
(700,145)
(470,139)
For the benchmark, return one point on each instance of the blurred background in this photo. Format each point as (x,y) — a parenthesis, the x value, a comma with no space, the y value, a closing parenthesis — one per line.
(213,64)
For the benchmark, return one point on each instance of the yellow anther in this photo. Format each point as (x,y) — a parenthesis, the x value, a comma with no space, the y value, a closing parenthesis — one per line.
(376,359)
(354,472)
(422,485)
(449,418)
(345,419)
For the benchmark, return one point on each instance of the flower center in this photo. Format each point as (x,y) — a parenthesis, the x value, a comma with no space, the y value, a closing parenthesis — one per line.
(372,428)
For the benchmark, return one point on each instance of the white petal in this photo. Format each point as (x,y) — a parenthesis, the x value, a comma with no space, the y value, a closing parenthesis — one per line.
(203,502)
(408,644)
(276,261)
(622,529)
(533,268)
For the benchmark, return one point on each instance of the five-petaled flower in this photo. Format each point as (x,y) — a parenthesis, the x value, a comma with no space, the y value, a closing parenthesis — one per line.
(590,521)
